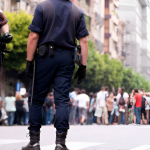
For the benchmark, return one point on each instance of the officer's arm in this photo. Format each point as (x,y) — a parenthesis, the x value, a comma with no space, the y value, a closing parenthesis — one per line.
(32,45)
(84,50)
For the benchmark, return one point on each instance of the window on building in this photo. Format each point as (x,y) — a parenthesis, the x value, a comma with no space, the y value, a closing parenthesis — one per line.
(116,47)
(88,2)
(116,10)
(106,3)
(2,5)
(116,28)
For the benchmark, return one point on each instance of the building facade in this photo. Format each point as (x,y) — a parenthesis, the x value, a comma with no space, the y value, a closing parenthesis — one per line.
(136,16)
(113,31)
(94,15)
(15,5)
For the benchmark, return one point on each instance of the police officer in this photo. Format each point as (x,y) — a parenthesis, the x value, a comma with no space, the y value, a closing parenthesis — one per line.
(54,29)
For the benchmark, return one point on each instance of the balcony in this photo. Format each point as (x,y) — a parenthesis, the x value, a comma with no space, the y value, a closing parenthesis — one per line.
(107,16)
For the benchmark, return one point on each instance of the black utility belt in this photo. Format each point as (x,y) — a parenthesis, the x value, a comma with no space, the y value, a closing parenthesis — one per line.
(49,49)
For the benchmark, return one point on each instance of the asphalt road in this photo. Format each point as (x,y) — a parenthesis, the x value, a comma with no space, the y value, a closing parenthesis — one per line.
(92,137)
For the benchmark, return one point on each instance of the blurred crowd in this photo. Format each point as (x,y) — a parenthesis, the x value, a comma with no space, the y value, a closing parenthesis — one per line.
(103,107)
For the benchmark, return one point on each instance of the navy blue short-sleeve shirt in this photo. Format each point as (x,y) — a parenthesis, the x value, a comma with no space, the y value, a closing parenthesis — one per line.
(59,22)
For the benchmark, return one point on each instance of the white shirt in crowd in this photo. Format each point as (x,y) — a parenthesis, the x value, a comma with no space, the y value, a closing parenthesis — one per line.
(125,96)
(101,96)
(148,101)
(106,94)
(26,104)
(82,100)
(10,104)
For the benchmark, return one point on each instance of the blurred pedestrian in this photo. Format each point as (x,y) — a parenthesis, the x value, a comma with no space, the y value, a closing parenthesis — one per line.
(19,109)
(83,104)
(10,107)
(73,110)
(122,99)
(49,108)
(114,113)
(147,109)
(137,104)
(143,111)
(101,106)
(109,104)
(90,111)
(26,109)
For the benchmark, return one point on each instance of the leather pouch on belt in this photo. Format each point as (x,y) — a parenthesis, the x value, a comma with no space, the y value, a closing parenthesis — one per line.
(43,50)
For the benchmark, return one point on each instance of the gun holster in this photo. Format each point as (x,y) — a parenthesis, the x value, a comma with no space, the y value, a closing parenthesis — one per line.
(77,55)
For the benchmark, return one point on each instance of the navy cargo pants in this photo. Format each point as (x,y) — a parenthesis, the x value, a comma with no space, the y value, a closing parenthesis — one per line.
(56,71)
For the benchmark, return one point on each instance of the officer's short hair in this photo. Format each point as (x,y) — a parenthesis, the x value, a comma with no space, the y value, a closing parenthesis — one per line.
(83,91)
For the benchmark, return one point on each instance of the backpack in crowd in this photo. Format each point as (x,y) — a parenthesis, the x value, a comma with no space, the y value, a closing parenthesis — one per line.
(143,103)
(121,101)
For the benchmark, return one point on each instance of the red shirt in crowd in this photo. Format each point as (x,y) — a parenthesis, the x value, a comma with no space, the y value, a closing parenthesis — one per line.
(138,99)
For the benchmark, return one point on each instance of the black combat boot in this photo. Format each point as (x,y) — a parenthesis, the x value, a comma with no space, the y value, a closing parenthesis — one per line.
(60,141)
(34,141)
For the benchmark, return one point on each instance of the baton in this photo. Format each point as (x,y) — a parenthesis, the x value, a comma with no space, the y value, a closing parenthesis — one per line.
(33,80)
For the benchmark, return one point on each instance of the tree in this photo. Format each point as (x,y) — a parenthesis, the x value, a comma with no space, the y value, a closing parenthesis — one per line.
(102,71)
(18,23)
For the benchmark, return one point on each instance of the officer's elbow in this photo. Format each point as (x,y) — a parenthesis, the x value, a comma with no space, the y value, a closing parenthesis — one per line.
(83,40)
(34,36)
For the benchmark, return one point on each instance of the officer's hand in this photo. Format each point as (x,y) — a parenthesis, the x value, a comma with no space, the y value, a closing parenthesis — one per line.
(29,69)
(81,74)
(2,17)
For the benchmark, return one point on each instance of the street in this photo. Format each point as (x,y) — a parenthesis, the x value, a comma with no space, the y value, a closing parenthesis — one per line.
(93,137)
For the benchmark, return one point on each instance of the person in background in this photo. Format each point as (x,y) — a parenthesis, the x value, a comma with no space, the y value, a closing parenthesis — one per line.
(90,111)
(133,107)
(131,113)
(26,109)
(114,114)
(122,99)
(147,108)
(109,104)
(10,107)
(19,109)
(83,104)
(49,108)
(73,95)
(106,92)
(101,106)
(143,111)
(137,104)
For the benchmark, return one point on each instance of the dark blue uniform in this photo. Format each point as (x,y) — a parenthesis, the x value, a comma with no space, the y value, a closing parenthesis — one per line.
(59,23)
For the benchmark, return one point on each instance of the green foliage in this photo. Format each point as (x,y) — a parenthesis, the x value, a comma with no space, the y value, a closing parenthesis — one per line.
(18,24)
(101,71)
